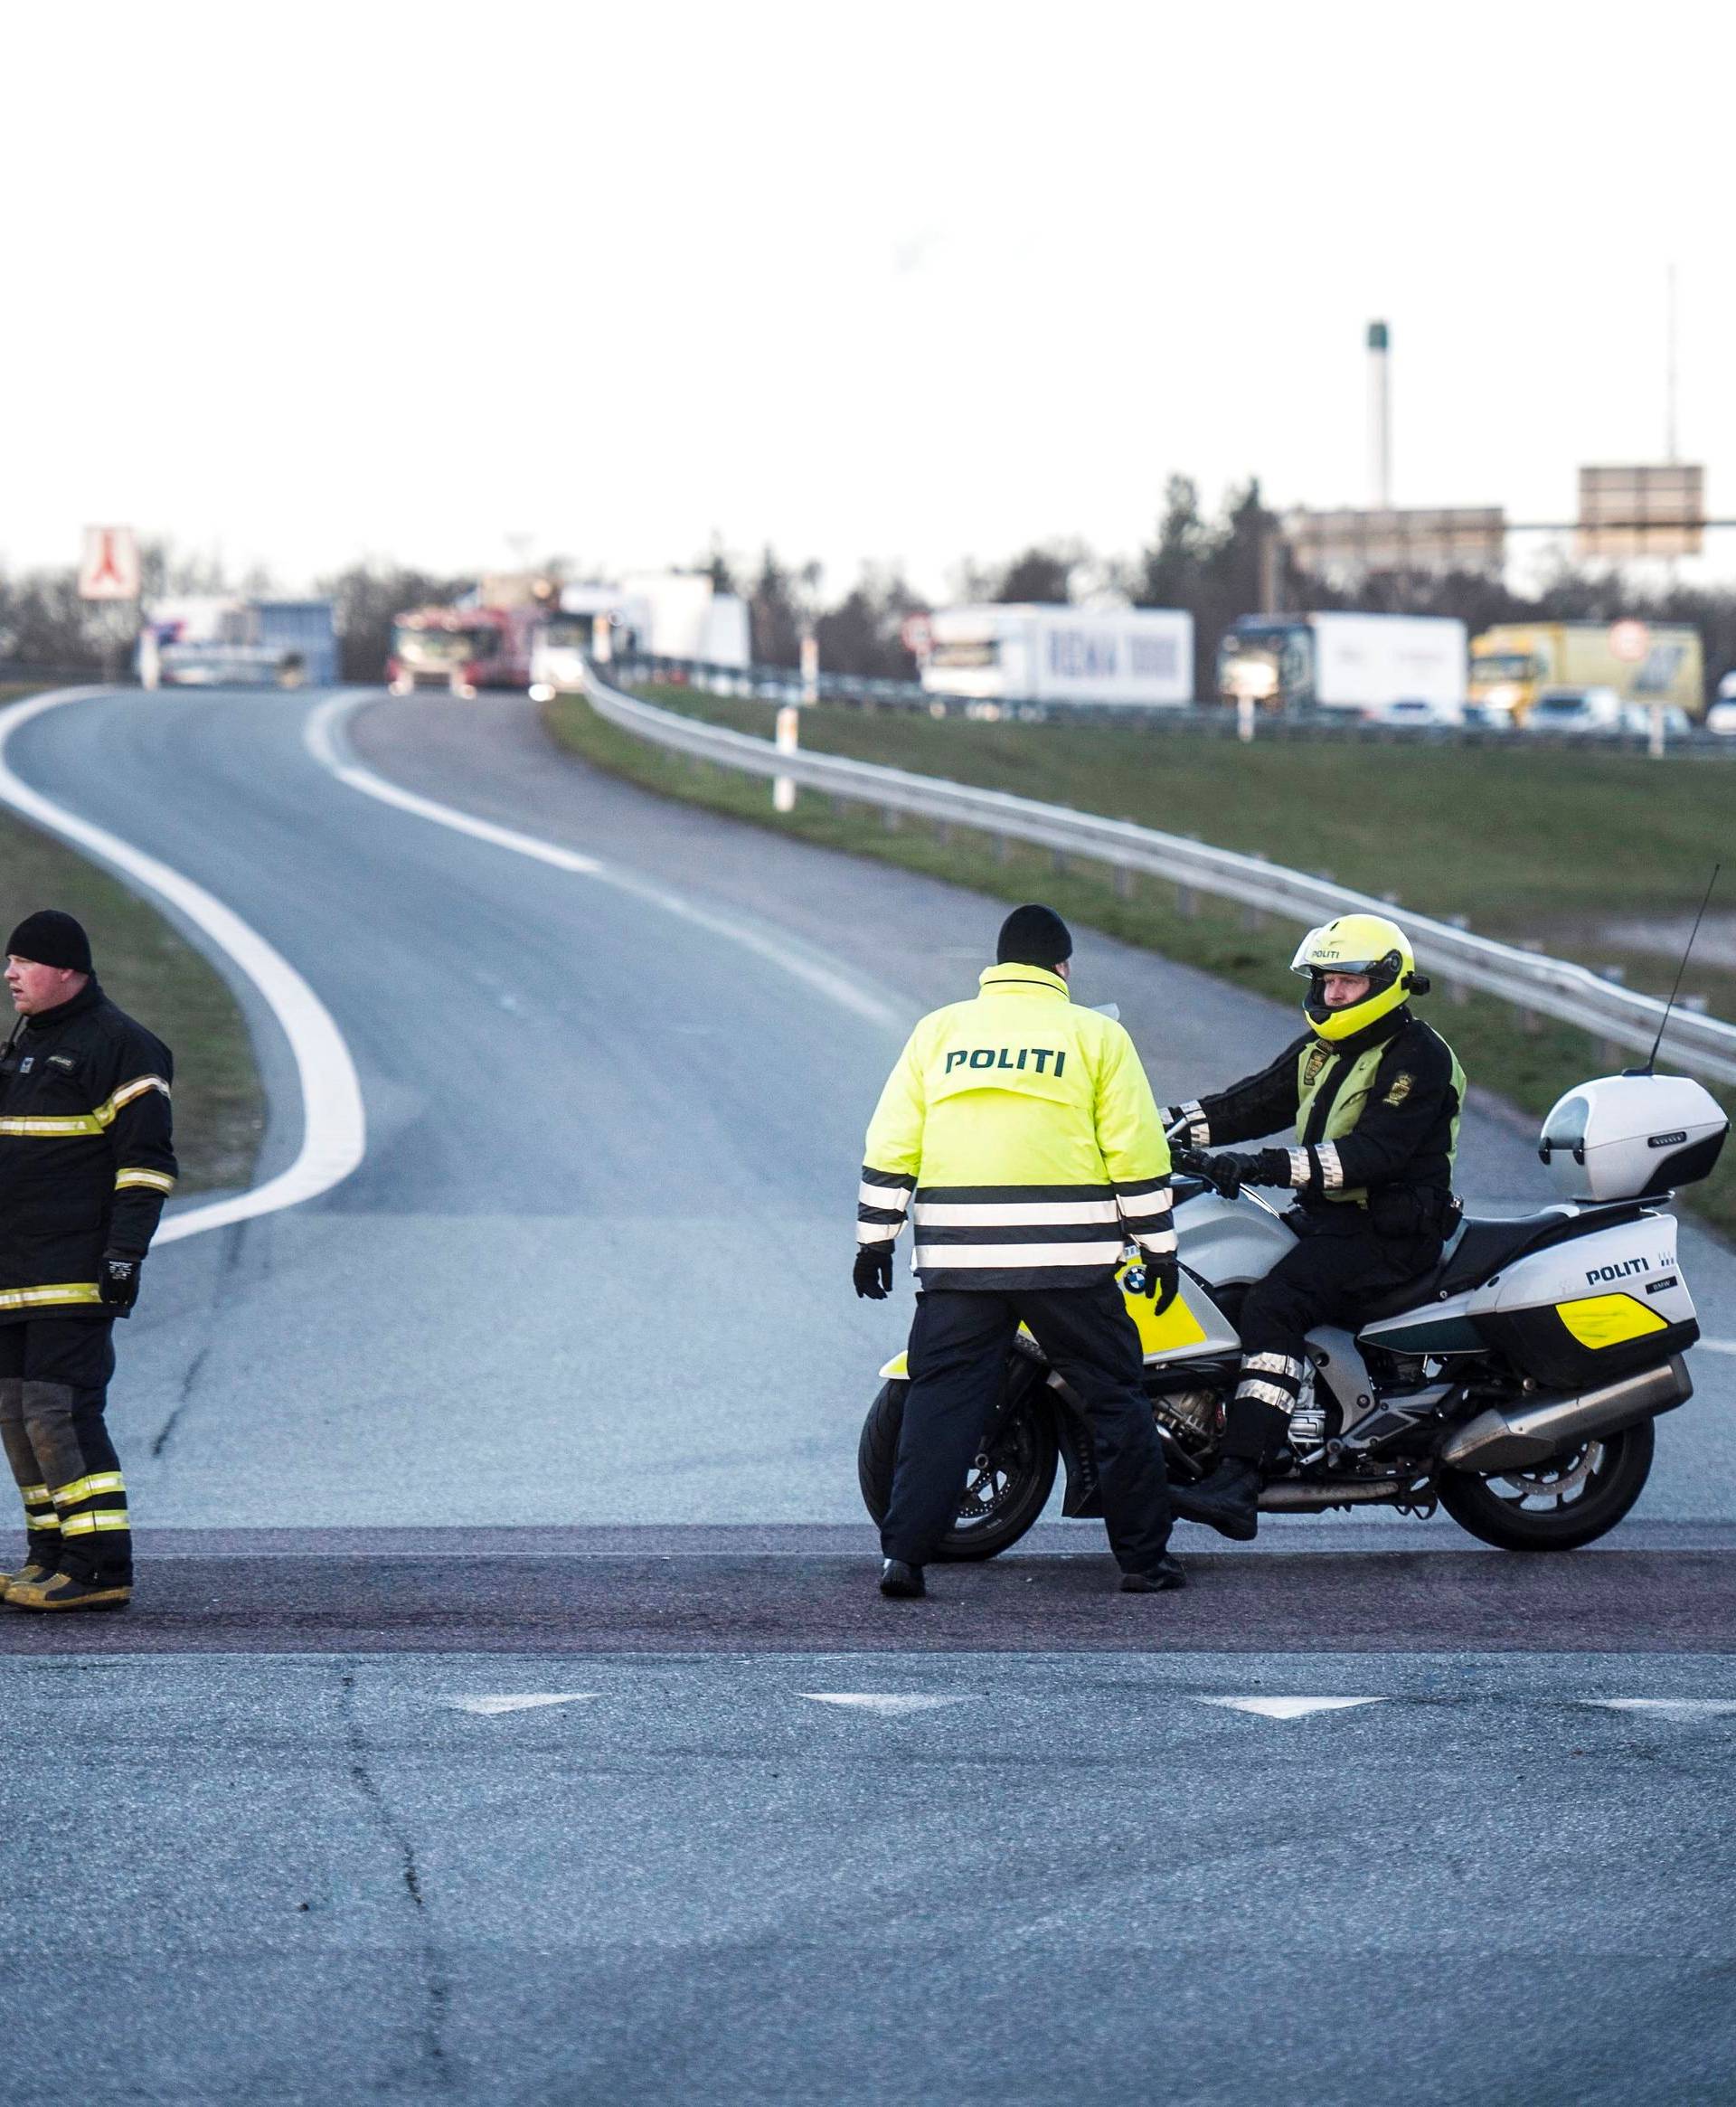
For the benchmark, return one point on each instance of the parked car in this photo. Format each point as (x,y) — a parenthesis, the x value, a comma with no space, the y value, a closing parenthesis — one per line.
(1575,709)
(1721,717)
(1411,710)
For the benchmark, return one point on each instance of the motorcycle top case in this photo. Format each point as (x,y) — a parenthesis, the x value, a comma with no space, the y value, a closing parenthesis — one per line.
(1632,1137)
(1585,1311)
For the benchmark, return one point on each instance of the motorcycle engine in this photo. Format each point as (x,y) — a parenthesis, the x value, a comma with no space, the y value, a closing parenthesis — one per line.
(1195,1416)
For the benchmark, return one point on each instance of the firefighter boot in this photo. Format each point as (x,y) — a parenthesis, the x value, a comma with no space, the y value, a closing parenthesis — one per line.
(66,1591)
(1227,1501)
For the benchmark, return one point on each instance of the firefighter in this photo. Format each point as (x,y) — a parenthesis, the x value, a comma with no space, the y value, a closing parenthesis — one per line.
(1375,1095)
(1020,1133)
(86,1163)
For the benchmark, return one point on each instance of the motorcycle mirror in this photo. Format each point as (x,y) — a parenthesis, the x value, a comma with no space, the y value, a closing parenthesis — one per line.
(1109,1010)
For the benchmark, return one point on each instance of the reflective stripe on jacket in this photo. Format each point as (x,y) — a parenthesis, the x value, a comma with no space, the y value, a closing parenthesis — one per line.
(86,1154)
(1024,1130)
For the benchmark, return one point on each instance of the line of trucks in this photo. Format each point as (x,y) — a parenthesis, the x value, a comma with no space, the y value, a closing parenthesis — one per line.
(1392,668)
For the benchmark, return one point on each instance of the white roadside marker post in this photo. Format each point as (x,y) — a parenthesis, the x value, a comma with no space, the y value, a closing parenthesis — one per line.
(789,740)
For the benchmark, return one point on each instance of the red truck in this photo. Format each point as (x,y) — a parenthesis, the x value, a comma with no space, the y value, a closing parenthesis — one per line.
(463,648)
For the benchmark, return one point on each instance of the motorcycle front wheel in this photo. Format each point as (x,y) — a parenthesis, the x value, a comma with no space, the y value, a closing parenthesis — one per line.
(1008,1486)
(1559,1505)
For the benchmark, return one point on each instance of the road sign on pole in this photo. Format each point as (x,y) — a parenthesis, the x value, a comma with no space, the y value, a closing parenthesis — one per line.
(108,568)
(1630,641)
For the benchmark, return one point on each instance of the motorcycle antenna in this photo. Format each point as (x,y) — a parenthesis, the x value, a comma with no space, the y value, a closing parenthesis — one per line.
(1651,1059)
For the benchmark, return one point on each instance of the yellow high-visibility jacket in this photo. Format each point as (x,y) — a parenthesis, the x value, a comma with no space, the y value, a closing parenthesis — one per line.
(1024,1130)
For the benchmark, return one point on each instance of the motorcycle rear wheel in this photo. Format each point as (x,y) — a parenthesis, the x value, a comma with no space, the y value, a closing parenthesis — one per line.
(1001,1500)
(1590,1489)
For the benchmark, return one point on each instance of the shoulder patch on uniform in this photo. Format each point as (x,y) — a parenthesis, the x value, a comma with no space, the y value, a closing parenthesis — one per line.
(63,1060)
(1400,1088)
(1317,1059)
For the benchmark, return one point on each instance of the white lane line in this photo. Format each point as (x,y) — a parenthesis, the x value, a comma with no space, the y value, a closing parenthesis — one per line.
(334,1135)
(491,1707)
(324,741)
(1666,1708)
(1716,1346)
(1290,1707)
(877,1701)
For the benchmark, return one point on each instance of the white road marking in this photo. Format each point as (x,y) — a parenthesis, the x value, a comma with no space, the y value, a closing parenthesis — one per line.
(323,739)
(876,1701)
(1717,1345)
(1290,1707)
(334,1129)
(490,1708)
(1668,1707)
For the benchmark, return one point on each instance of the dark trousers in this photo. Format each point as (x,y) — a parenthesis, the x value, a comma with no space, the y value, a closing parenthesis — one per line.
(1329,1277)
(54,1374)
(958,1348)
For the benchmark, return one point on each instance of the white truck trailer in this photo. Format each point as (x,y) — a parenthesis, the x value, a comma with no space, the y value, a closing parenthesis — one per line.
(1346,662)
(1059,655)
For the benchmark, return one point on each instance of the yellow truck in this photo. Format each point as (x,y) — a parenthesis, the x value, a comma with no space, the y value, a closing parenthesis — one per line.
(1643,662)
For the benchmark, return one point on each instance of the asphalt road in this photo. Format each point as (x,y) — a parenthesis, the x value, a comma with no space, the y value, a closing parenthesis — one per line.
(807,1878)
(557,1397)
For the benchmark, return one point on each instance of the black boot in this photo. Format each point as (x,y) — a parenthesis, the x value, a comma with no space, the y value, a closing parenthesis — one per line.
(1227,1501)
(1156,1580)
(898,1579)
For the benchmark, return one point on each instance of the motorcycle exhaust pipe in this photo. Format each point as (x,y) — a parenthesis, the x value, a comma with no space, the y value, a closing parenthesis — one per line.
(1531,1432)
(1289,1498)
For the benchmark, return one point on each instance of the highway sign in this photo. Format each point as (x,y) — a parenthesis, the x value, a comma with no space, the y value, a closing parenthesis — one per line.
(1349,544)
(1630,641)
(108,568)
(1656,511)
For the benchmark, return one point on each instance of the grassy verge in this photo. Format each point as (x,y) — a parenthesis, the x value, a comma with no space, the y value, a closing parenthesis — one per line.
(1369,814)
(156,976)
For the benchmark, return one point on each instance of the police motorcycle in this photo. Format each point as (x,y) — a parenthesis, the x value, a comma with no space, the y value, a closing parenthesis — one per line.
(1515,1385)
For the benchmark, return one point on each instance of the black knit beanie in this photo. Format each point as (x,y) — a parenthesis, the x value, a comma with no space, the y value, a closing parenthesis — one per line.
(1033,936)
(49,938)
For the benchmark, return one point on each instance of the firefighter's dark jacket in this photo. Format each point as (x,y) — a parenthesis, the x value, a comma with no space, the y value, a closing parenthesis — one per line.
(85,1160)
(1375,1119)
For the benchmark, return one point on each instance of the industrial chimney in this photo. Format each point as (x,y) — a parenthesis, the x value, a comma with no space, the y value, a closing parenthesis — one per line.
(1380,419)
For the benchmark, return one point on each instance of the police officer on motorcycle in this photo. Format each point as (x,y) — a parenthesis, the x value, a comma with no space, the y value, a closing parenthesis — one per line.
(1375,1095)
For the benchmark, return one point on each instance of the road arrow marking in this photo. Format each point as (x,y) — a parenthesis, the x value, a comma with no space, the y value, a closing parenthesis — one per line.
(524,1702)
(1668,1707)
(874,1701)
(1290,1707)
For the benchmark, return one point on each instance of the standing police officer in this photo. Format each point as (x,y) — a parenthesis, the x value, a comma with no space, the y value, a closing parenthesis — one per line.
(1376,1094)
(1024,1128)
(86,1163)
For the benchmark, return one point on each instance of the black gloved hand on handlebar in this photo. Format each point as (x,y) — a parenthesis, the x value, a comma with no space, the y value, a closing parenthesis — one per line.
(1229,1171)
(1163,1281)
(872,1273)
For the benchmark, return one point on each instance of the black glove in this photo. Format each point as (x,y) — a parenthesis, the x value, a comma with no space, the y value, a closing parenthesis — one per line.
(117,1283)
(874,1271)
(1229,1172)
(1163,1281)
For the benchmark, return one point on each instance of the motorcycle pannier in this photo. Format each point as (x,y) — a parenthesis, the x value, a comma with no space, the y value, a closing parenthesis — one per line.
(1632,1137)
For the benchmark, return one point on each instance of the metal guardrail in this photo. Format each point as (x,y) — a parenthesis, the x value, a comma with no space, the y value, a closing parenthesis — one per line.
(1543,986)
(783,684)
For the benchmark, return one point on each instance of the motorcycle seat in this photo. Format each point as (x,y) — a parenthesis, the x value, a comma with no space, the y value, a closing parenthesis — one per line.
(1483,1246)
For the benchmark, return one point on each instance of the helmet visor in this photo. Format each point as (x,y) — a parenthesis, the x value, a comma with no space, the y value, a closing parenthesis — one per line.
(1316,953)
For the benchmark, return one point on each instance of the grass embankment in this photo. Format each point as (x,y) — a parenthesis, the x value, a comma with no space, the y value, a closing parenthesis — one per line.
(156,976)
(1546,847)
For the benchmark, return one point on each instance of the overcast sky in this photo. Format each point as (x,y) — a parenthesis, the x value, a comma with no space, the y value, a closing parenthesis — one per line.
(913,282)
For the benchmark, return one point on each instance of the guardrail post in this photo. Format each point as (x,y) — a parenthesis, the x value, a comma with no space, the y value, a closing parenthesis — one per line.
(1529,1023)
(1000,847)
(1610,1053)
(1058,862)
(1123,883)
(1187,902)
(943,833)
(891,818)
(1457,994)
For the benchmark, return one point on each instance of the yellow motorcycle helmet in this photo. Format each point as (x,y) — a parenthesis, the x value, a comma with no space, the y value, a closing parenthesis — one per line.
(1356,943)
